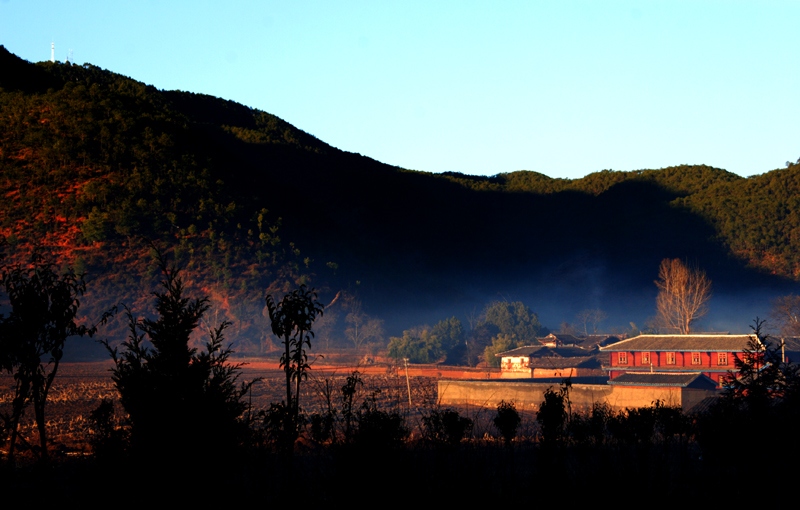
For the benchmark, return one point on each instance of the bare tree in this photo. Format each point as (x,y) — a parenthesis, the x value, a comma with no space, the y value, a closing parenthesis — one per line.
(568,329)
(360,326)
(785,314)
(683,294)
(592,316)
(325,327)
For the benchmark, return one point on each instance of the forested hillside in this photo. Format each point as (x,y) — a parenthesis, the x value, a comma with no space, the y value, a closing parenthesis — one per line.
(757,218)
(97,168)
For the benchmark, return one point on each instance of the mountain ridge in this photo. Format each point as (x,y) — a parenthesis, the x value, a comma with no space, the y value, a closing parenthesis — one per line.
(97,166)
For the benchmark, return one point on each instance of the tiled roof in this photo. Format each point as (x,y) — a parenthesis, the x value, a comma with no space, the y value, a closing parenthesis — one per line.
(540,351)
(585,341)
(560,352)
(561,338)
(681,380)
(570,362)
(600,340)
(525,350)
(703,406)
(650,343)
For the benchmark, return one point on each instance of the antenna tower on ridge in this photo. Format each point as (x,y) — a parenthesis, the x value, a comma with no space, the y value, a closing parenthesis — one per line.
(52,52)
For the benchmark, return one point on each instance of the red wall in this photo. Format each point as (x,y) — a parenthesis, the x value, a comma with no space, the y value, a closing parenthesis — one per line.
(658,359)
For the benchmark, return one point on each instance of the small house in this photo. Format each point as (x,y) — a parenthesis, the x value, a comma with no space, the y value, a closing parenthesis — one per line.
(538,361)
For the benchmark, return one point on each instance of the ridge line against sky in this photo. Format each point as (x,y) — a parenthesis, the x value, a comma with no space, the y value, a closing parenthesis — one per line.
(562,88)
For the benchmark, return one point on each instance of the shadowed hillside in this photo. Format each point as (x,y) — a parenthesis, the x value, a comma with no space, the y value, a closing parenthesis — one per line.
(96,166)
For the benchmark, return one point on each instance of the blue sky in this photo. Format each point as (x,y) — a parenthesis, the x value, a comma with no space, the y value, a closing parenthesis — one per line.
(564,88)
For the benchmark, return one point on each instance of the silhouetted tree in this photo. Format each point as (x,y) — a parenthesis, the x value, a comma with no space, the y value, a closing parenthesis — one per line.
(445,426)
(507,420)
(292,318)
(762,395)
(178,397)
(108,439)
(761,375)
(553,415)
(44,305)
(378,430)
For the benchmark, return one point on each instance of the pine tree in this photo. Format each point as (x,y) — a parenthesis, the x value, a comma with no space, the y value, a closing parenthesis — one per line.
(178,399)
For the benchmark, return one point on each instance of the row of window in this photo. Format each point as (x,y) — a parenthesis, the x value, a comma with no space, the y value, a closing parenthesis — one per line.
(671,357)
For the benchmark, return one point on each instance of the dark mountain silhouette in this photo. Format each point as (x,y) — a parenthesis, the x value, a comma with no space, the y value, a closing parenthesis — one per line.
(95,166)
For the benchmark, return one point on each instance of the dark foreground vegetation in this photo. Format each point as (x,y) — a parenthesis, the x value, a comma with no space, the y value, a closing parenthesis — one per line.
(183,427)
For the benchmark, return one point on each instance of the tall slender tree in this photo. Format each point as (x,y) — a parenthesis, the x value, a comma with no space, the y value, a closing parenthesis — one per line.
(292,318)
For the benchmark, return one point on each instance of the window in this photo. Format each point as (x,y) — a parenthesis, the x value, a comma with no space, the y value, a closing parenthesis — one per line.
(670,358)
(722,358)
(695,358)
(622,358)
(645,358)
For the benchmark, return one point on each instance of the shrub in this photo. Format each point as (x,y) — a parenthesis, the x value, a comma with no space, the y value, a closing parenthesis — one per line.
(445,427)
(552,415)
(507,420)
(379,429)
(108,439)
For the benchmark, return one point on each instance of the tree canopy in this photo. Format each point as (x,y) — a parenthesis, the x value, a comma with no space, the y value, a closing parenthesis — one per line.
(683,294)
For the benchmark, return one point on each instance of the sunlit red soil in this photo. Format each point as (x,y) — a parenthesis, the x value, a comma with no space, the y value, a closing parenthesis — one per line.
(79,388)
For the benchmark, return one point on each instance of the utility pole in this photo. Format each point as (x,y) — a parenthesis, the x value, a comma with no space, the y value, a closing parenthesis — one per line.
(408,384)
(783,350)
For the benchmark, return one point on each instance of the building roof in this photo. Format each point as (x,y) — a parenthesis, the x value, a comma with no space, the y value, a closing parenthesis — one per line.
(681,380)
(584,341)
(561,352)
(559,338)
(601,340)
(568,362)
(524,351)
(703,406)
(702,343)
(541,351)
(610,339)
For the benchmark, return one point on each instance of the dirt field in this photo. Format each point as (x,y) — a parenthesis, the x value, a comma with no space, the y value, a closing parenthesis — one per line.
(79,388)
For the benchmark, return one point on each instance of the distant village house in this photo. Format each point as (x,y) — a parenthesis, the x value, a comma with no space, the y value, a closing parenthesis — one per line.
(712,355)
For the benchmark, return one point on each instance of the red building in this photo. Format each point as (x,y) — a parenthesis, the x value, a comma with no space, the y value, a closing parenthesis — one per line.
(711,355)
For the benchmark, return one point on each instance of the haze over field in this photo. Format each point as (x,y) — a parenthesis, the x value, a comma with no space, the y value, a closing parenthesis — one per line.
(562,88)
